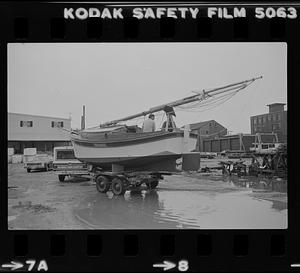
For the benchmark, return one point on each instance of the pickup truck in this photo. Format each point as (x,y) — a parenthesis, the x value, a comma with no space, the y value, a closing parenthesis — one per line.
(66,164)
(39,162)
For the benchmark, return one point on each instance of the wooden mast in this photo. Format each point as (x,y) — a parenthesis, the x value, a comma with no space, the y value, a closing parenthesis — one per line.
(197,97)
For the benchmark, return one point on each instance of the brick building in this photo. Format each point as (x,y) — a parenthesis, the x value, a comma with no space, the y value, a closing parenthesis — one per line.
(273,122)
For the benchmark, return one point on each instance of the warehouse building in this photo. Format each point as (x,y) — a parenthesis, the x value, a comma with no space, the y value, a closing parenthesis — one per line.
(40,132)
(273,122)
(207,129)
(237,142)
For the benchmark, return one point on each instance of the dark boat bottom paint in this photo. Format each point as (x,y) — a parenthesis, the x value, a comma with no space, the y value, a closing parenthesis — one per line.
(149,163)
(166,162)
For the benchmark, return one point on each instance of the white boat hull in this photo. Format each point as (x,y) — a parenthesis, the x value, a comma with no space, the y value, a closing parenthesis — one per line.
(160,153)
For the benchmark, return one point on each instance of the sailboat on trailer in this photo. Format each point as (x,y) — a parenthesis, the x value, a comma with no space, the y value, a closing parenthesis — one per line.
(119,147)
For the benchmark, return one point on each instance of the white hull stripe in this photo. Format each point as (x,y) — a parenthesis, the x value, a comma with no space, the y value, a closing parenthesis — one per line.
(177,145)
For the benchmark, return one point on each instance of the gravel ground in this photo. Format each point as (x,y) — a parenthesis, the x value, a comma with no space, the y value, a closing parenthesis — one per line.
(37,200)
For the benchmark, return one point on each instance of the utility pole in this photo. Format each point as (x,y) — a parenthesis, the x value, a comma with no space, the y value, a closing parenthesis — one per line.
(83,118)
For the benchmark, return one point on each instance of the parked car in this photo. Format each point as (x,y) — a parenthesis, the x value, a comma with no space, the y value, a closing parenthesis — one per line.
(39,162)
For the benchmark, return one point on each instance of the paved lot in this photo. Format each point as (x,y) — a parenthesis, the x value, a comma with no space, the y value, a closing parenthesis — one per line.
(39,201)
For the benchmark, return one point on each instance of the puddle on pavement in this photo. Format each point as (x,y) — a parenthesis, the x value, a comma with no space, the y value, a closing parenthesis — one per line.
(186,202)
(263,183)
(11,218)
(35,208)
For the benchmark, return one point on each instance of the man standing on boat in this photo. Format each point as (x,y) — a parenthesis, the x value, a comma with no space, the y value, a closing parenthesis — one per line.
(149,124)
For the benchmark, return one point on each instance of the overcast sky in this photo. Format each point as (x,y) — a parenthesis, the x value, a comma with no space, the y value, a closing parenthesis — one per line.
(115,80)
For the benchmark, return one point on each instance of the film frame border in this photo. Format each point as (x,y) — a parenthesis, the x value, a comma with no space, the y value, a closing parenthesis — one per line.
(255,250)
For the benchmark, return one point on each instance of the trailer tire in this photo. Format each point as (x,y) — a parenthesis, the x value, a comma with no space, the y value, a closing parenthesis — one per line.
(152,184)
(61,177)
(28,170)
(102,184)
(118,187)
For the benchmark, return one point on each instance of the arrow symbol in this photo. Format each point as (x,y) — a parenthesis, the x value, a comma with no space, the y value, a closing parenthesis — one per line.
(166,265)
(13,265)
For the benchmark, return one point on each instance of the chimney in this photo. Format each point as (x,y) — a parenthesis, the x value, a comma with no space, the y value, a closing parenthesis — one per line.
(276,107)
(83,118)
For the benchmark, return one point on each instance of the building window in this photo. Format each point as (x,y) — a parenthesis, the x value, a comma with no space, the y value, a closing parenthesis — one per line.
(206,132)
(259,120)
(264,119)
(274,117)
(278,117)
(269,118)
(254,120)
(275,127)
(66,154)
(58,124)
(26,123)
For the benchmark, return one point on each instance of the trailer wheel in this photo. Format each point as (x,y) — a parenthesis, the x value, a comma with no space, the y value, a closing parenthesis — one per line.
(118,187)
(152,184)
(28,170)
(102,184)
(61,177)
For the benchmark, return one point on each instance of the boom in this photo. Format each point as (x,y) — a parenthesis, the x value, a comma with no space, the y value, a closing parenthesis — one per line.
(200,96)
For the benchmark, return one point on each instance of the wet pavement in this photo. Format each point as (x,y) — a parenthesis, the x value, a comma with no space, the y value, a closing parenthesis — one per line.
(185,201)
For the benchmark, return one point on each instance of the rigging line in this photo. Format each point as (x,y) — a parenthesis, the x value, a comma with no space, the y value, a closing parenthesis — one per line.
(210,103)
(238,87)
(206,109)
(197,106)
(194,109)
(229,97)
(224,101)
(215,107)
(210,100)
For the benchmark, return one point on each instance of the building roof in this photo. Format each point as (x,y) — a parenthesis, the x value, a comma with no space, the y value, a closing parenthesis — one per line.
(20,114)
(201,124)
(276,103)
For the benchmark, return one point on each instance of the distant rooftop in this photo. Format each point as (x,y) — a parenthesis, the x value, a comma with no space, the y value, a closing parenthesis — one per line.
(20,114)
(276,107)
(198,125)
(276,103)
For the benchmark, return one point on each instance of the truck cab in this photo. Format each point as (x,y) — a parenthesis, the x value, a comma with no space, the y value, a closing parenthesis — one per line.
(66,164)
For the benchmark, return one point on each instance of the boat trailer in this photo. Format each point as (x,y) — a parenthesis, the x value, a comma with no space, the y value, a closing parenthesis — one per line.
(270,163)
(120,182)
